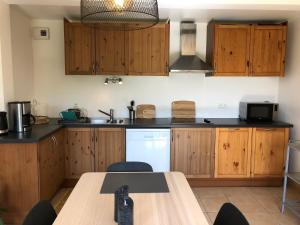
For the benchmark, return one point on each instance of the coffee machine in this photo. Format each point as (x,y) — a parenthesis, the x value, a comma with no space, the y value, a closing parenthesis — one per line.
(19,117)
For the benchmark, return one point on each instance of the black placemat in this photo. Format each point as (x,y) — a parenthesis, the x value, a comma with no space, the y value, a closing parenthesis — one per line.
(137,182)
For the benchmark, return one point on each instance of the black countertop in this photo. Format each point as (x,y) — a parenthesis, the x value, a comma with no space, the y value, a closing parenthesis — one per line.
(41,131)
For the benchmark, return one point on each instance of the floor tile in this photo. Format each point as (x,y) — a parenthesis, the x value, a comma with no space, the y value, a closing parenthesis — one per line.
(213,204)
(209,192)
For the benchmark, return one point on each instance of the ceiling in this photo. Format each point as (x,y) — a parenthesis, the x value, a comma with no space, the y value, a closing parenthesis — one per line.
(177,10)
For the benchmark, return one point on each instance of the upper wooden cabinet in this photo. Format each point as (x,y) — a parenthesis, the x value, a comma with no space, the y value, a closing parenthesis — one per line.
(268,153)
(233,151)
(232,43)
(109,147)
(192,151)
(79,49)
(98,49)
(148,50)
(246,49)
(268,50)
(110,50)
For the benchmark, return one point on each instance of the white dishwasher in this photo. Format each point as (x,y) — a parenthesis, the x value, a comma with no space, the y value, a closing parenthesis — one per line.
(149,145)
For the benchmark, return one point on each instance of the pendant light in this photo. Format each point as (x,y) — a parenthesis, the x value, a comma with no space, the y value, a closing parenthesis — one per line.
(121,12)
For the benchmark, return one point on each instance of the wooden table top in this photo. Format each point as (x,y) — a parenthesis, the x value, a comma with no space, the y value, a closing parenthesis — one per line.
(86,206)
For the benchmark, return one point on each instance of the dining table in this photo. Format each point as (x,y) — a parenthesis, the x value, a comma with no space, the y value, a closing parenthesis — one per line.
(87,206)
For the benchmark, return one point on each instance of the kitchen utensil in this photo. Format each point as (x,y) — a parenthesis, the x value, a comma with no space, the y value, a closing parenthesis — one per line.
(20,117)
(3,123)
(183,109)
(145,111)
(131,114)
(69,116)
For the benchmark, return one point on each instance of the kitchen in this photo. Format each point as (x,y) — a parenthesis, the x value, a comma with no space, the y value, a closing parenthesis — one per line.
(41,63)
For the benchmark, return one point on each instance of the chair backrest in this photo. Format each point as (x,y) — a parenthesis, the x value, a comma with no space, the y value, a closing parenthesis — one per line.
(230,215)
(41,214)
(130,167)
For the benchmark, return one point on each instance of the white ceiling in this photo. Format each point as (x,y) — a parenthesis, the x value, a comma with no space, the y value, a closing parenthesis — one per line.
(177,10)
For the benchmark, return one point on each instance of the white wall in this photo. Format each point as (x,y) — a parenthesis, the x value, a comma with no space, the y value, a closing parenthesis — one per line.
(6,72)
(289,86)
(59,92)
(22,55)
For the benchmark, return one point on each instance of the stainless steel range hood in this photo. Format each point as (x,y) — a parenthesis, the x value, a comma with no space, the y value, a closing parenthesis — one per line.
(188,60)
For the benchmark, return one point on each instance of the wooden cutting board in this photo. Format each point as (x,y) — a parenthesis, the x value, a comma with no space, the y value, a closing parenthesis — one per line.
(183,109)
(145,111)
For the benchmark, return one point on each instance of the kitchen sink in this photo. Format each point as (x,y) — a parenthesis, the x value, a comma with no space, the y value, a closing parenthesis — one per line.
(105,121)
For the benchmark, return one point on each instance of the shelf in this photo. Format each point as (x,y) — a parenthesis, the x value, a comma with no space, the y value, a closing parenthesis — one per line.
(295,177)
(295,145)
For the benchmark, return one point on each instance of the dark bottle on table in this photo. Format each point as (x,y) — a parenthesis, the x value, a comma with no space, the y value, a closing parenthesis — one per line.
(120,194)
(125,212)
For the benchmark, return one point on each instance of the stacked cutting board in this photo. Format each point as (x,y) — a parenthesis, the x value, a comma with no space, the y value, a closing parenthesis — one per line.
(183,109)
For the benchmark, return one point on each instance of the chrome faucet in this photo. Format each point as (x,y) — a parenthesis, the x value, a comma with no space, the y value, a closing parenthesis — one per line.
(110,114)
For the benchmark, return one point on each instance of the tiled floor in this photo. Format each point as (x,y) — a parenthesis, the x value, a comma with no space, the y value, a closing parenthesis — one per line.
(260,205)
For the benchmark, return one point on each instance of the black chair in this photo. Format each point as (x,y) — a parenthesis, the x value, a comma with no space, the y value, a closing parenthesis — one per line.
(41,214)
(230,215)
(130,167)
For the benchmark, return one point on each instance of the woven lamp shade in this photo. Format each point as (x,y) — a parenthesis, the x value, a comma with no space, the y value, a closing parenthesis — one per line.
(122,12)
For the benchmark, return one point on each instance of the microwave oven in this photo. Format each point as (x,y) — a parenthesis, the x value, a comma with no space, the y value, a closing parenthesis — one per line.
(258,111)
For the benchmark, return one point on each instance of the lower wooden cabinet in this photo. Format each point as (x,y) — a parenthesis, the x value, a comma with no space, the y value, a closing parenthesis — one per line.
(109,147)
(30,173)
(268,151)
(51,161)
(80,152)
(233,151)
(192,151)
(90,150)
(250,152)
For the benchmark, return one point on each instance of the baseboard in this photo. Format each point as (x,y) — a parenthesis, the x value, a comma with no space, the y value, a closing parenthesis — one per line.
(235,182)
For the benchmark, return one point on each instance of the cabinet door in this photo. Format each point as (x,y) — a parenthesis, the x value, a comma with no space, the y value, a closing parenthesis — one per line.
(110,50)
(233,149)
(231,50)
(51,164)
(47,162)
(110,147)
(59,148)
(80,154)
(79,49)
(268,50)
(268,152)
(148,50)
(192,151)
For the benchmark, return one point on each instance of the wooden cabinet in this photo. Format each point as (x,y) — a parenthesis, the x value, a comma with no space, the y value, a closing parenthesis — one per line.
(110,50)
(51,161)
(80,152)
(192,151)
(19,180)
(232,43)
(148,50)
(99,49)
(246,49)
(233,151)
(268,151)
(109,147)
(79,49)
(268,50)
(30,173)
